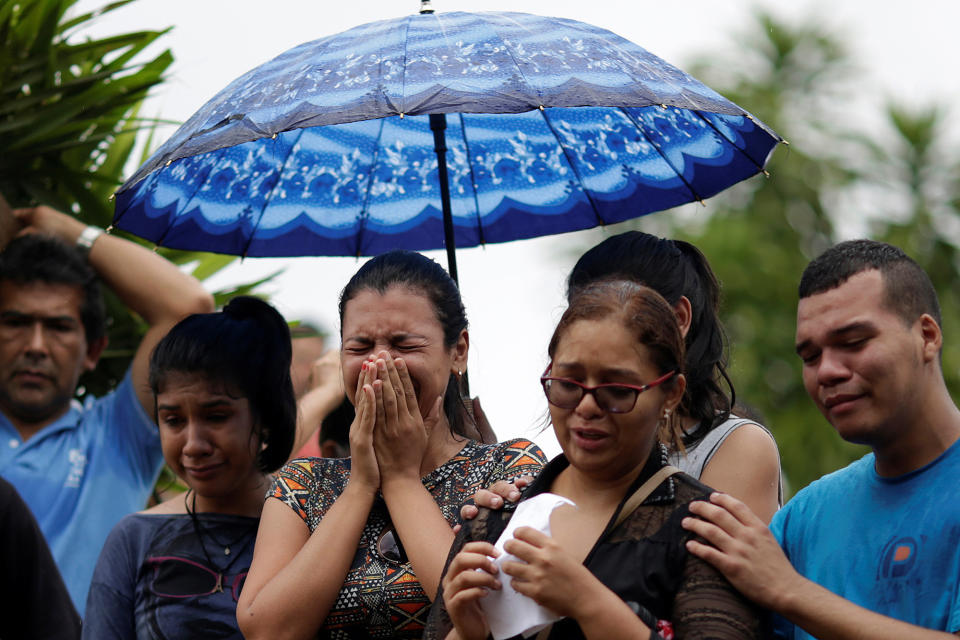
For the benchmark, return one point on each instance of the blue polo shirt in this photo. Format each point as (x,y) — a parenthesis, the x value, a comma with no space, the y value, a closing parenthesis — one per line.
(81,474)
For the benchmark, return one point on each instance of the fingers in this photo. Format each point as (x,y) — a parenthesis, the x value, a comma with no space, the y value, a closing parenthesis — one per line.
(380,411)
(325,371)
(531,536)
(506,490)
(738,509)
(522,549)
(488,499)
(396,383)
(468,512)
(388,396)
(433,416)
(717,515)
(406,383)
(362,379)
(473,568)
(361,431)
(708,531)
(523,482)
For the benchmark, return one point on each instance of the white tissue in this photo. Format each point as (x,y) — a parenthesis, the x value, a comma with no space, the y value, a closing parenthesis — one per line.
(510,613)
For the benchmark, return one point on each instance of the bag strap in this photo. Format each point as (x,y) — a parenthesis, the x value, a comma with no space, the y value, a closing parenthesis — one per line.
(629,507)
(644,492)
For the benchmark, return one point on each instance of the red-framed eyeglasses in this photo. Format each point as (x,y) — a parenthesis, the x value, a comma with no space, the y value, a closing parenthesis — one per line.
(175,577)
(612,397)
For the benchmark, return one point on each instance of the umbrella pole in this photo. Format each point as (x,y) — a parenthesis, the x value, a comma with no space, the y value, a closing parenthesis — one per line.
(438,124)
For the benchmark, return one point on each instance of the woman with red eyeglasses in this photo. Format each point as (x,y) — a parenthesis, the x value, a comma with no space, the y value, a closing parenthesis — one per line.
(227,418)
(617,563)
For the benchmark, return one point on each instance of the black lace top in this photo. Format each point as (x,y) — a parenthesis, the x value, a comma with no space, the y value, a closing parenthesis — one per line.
(643,560)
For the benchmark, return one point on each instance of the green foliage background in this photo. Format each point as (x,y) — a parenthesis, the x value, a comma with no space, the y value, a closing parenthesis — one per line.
(897,178)
(69,123)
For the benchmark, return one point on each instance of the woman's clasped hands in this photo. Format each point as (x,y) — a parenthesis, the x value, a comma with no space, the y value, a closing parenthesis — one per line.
(388,438)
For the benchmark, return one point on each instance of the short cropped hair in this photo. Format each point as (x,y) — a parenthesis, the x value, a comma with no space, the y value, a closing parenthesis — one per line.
(41,258)
(245,348)
(908,291)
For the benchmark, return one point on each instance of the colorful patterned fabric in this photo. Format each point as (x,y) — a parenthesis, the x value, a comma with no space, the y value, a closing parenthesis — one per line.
(382,598)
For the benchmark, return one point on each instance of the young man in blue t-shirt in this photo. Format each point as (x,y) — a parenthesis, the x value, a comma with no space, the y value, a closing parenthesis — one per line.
(873,550)
(79,468)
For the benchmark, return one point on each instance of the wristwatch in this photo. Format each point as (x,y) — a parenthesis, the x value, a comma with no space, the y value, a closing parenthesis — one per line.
(87,237)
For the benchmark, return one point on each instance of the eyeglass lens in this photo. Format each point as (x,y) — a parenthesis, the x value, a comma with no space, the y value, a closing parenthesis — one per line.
(390,548)
(182,578)
(566,394)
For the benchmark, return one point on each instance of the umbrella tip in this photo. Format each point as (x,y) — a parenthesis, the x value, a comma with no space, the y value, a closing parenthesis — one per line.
(108,230)
(425,7)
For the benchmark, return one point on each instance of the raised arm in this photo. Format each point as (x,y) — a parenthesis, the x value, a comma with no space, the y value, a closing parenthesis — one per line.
(156,289)
(325,395)
(296,575)
(400,441)
(743,549)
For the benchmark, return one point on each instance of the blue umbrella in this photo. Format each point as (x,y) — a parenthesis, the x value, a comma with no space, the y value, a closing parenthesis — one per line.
(439,130)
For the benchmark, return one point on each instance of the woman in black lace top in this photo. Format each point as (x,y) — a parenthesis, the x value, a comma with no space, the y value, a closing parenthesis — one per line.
(609,569)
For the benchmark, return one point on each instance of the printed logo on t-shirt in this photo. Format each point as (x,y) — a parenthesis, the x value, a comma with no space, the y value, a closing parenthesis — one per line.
(898,557)
(78,463)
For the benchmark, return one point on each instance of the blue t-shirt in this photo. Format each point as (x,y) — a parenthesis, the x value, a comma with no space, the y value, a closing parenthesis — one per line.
(154,581)
(891,545)
(81,474)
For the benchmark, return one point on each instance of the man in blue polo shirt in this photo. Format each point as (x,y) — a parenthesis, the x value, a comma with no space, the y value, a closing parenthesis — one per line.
(872,550)
(80,468)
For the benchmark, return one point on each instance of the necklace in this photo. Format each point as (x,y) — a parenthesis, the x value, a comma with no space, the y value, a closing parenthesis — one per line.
(201,531)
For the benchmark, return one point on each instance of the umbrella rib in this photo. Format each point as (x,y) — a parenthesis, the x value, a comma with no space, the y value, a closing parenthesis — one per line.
(519,69)
(639,126)
(366,196)
(266,200)
(473,180)
(403,72)
(573,167)
(732,143)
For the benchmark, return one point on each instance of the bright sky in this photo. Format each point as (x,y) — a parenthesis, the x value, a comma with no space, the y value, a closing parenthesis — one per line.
(514,292)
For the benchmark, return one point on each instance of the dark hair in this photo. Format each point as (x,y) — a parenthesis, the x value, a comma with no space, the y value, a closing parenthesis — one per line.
(907,290)
(245,347)
(336,426)
(644,313)
(673,268)
(421,274)
(41,258)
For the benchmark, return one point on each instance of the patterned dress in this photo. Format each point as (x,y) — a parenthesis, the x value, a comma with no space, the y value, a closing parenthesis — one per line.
(381,596)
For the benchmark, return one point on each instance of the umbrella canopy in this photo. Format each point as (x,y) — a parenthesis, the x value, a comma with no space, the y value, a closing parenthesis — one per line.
(552,125)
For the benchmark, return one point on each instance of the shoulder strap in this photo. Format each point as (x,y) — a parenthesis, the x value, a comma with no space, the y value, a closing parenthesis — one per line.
(643,492)
(629,507)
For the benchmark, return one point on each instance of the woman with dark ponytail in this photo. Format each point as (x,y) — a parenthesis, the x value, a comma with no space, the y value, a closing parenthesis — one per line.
(225,409)
(732,454)
(355,548)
